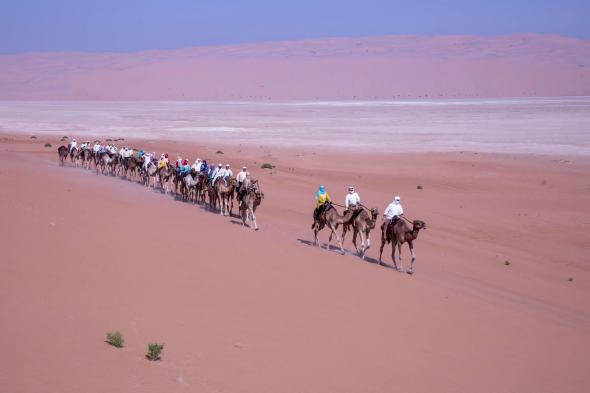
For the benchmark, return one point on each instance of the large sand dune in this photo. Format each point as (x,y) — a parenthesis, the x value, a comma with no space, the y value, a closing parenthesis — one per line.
(339,68)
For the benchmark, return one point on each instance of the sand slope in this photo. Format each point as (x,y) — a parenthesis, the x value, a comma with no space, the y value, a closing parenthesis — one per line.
(241,311)
(340,68)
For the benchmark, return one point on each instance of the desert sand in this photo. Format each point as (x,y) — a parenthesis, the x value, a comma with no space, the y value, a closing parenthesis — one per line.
(245,311)
(390,67)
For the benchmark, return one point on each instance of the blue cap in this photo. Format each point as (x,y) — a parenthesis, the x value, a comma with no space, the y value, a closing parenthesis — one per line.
(322,189)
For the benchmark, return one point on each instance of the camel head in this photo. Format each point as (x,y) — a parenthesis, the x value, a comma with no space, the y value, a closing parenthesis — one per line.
(419,224)
(374,213)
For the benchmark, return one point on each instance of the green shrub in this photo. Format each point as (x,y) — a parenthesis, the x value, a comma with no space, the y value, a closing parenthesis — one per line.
(47,145)
(219,152)
(154,351)
(267,165)
(115,339)
(419,187)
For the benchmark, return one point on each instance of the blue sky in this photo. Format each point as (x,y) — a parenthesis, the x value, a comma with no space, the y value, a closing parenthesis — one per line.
(121,26)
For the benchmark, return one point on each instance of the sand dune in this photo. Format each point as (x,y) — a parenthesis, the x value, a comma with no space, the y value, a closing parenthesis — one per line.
(339,68)
(244,311)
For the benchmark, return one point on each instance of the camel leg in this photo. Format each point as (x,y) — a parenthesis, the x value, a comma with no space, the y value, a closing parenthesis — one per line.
(381,248)
(393,245)
(362,253)
(368,236)
(254,219)
(338,239)
(401,265)
(413,258)
(354,235)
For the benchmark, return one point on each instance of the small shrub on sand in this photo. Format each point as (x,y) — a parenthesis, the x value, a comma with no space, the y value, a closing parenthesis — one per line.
(64,137)
(267,165)
(570,279)
(219,152)
(47,145)
(33,137)
(115,339)
(507,263)
(154,351)
(109,140)
(419,187)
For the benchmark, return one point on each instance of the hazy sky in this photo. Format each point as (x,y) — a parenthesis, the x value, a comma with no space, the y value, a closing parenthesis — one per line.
(129,25)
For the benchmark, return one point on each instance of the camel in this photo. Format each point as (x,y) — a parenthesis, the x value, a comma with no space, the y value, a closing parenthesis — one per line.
(398,234)
(62,153)
(249,201)
(107,162)
(165,174)
(330,218)
(84,156)
(151,173)
(74,155)
(132,165)
(225,194)
(187,186)
(362,224)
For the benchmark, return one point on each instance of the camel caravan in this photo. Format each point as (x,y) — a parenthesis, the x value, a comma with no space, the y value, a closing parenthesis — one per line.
(361,220)
(204,184)
(217,188)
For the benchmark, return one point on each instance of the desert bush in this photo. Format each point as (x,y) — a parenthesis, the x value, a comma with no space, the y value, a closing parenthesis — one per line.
(47,145)
(115,339)
(33,137)
(267,165)
(507,263)
(219,152)
(154,351)
(570,279)
(419,187)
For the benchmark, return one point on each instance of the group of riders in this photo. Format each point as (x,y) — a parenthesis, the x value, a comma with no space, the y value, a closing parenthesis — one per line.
(392,213)
(183,174)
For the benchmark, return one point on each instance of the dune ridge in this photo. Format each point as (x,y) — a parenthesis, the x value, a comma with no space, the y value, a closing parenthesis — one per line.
(338,68)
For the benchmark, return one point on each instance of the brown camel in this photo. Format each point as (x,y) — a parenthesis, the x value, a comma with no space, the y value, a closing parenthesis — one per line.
(107,163)
(398,234)
(151,174)
(74,155)
(85,158)
(224,193)
(62,153)
(187,185)
(249,201)
(362,223)
(329,217)
(165,174)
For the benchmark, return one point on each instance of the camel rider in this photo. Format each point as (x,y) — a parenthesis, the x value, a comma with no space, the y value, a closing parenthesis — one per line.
(140,154)
(212,171)
(185,168)
(394,211)
(204,167)
(162,161)
(241,177)
(197,165)
(85,145)
(147,158)
(96,147)
(323,198)
(73,145)
(219,172)
(227,173)
(352,200)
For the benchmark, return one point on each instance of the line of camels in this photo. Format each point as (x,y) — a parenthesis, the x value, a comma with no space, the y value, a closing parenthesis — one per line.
(193,186)
(197,187)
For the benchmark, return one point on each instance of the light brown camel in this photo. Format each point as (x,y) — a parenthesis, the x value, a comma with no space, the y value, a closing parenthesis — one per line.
(85,157)
(165,173)
(329,217)
(151,174)
(224,194)
(249,201)
(362,223)
(398,234)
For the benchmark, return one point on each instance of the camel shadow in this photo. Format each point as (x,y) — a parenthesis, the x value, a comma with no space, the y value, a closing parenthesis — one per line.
(336,249)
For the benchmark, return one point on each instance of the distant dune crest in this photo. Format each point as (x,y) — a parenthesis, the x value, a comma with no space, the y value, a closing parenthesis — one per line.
(390,67)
